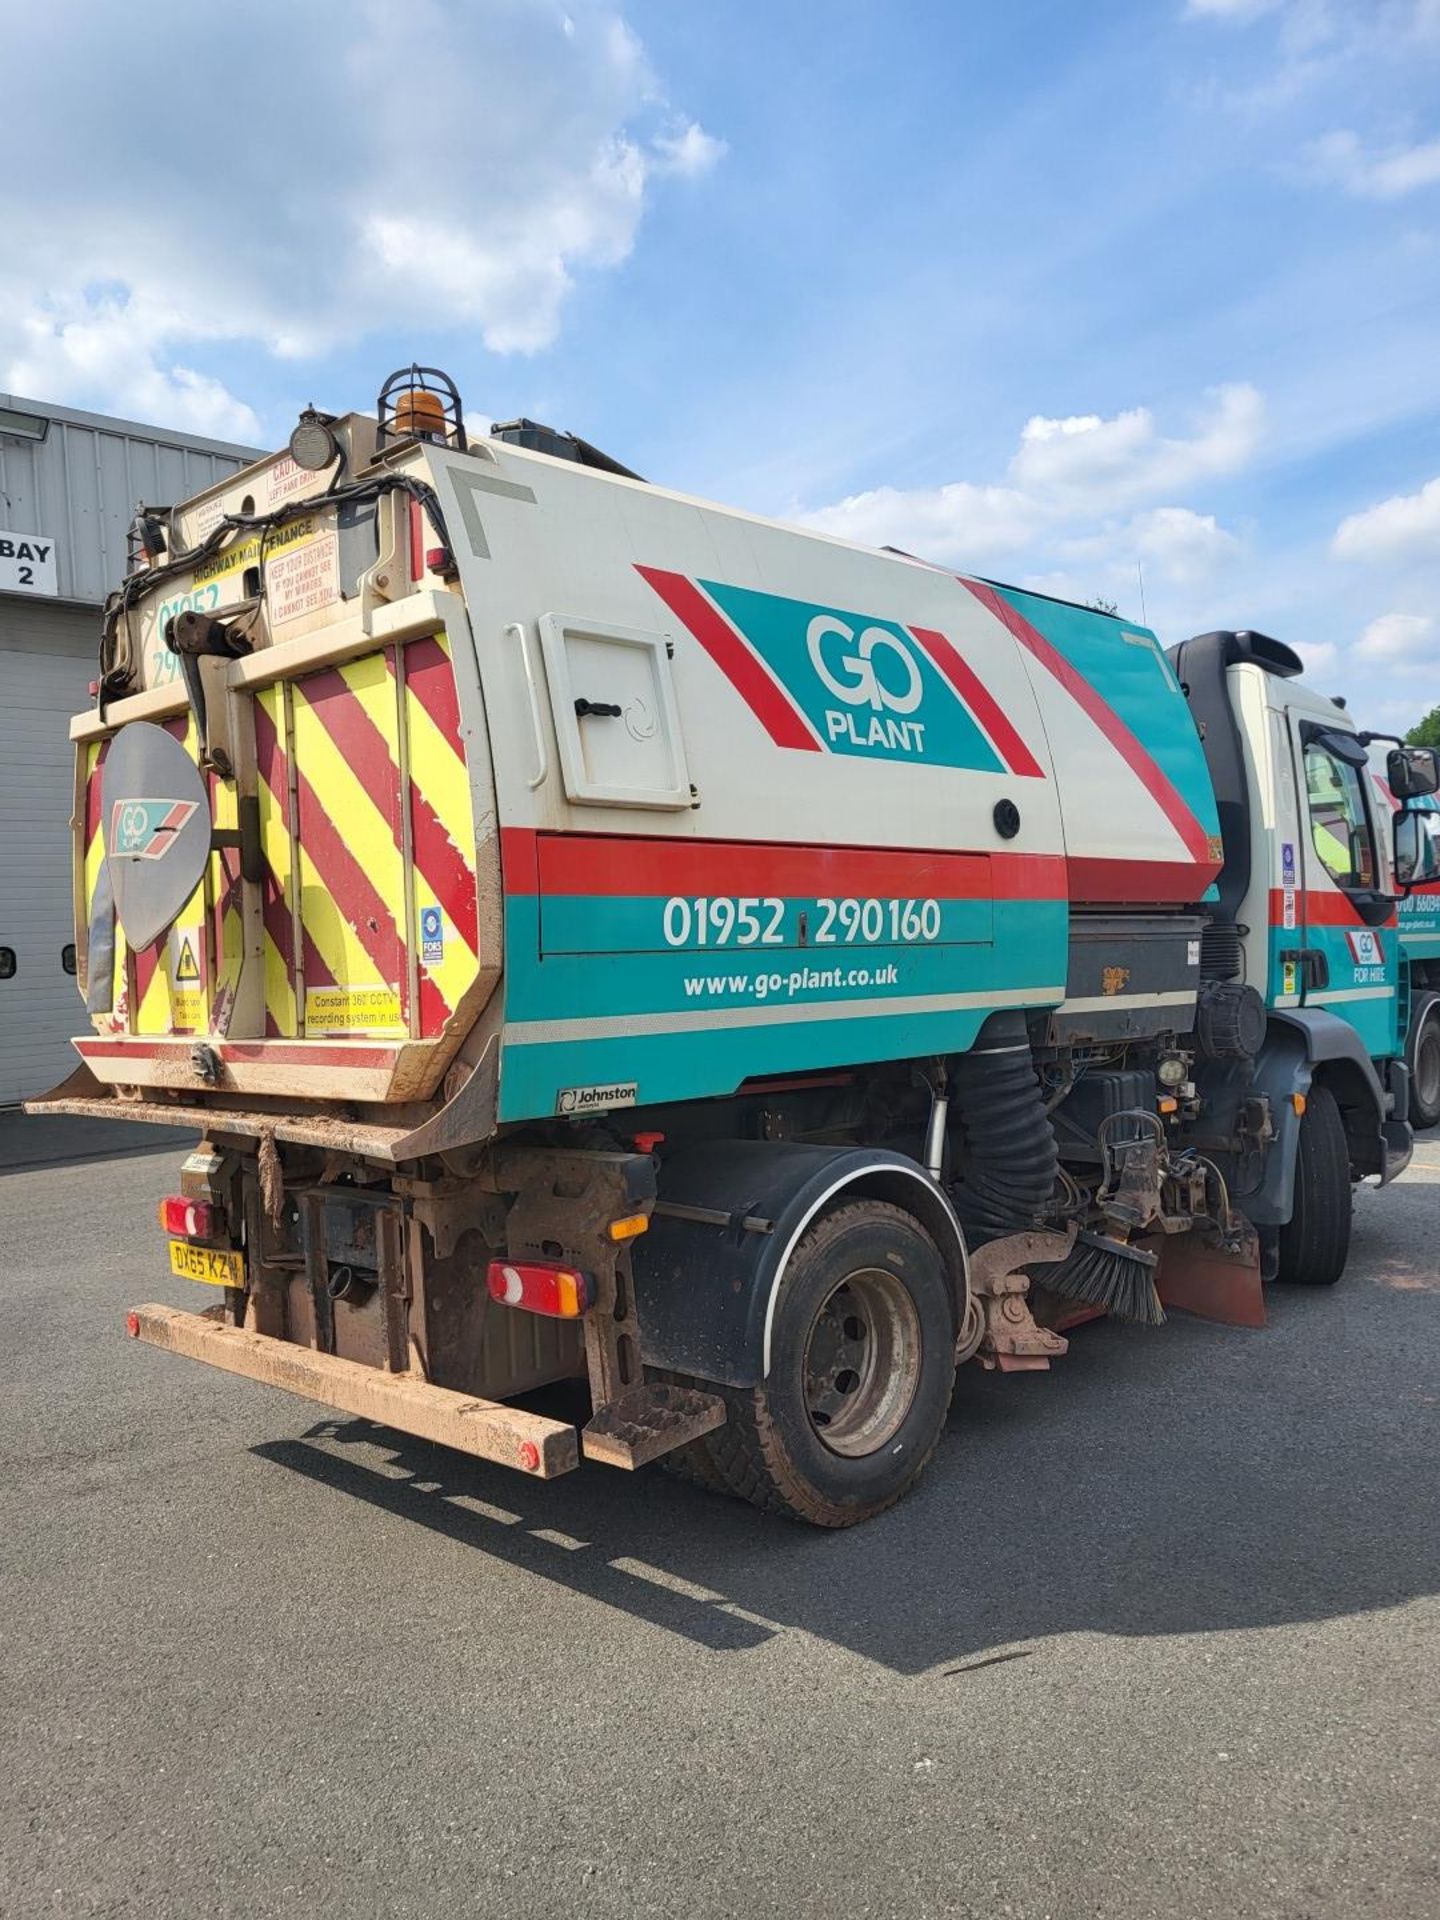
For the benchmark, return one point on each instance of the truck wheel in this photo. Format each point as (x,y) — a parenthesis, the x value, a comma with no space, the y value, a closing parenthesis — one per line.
(1315,1241)
(861,1372)
(1424,1058)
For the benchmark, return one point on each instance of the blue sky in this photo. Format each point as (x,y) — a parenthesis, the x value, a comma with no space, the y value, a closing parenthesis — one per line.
(1063,293)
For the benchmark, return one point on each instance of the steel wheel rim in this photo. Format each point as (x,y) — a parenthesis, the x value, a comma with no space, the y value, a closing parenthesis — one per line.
(862,1363)
(1427,1066)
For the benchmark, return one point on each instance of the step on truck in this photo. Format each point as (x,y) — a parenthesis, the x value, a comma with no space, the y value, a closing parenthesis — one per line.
(602,937)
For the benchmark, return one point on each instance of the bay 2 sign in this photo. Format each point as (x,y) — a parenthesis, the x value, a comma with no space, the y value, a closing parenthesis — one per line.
(27,563)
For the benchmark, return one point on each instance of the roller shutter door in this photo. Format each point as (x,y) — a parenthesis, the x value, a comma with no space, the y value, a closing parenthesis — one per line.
(40,1006)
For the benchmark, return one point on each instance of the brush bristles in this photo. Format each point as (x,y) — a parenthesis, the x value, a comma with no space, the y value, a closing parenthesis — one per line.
(1108,1273)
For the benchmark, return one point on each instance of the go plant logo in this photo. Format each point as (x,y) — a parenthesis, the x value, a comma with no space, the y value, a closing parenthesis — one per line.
(863,683)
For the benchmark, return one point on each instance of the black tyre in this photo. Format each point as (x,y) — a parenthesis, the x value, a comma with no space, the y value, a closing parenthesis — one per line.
(1422,1053)
(862,1370)
(1315,1242)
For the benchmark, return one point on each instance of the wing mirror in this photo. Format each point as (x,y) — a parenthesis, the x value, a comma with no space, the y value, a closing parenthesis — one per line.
(1412,772)
(1417,847)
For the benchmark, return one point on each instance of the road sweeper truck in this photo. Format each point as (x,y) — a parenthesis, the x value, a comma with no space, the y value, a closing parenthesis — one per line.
(601,936)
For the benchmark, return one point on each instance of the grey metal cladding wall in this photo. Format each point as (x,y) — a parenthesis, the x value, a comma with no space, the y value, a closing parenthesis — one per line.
(79,486)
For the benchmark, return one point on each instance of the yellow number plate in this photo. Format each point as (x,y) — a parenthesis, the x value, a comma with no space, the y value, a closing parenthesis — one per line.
(217,1266)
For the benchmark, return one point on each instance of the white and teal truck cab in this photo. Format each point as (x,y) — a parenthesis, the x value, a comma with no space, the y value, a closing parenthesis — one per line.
(1417,868)
(597,934)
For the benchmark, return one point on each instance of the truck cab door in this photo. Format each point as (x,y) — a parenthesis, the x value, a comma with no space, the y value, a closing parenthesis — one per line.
(1337,945)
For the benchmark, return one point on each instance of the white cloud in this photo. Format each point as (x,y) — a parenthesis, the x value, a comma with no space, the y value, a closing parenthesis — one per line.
(961,523)
(431,166)
(691,151)
(1388,175)
(1077,491)
(1231,9)
(1407,526)
(1106,464)
(1401,642)
(1185,547)
(1319,656)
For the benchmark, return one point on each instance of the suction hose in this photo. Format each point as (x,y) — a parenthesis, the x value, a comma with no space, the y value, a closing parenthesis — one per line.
(1007,1160)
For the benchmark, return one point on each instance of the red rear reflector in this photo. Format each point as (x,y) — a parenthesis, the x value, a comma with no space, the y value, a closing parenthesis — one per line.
(187,1219)
(541,1286)
(132,1325)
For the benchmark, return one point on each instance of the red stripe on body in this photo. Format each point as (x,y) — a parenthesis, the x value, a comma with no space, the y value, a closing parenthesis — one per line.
(1318,907)
(745,672)
(1096,881)
(981,702)
(1153,778)
(602,865)
(520,860)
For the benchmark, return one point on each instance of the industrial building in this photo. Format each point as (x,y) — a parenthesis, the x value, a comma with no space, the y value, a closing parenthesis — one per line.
(69,484)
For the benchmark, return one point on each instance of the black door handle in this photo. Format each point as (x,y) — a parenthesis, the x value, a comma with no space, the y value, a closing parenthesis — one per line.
(1313,964)
(601,709)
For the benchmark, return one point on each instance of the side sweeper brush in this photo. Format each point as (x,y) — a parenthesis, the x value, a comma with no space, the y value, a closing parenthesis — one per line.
(1101,1272)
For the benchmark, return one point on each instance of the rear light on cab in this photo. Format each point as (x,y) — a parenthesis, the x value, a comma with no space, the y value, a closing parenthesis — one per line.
(187,1219)
(541,1286)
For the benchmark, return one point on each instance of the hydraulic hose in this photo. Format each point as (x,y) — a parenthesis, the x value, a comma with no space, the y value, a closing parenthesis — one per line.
(1007,1159)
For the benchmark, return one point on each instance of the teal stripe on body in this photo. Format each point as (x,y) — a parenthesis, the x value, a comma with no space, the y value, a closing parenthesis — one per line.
(741,1013)
(1127,667)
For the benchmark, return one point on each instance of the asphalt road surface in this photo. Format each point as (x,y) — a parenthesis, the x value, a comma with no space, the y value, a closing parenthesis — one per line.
(1157,1634)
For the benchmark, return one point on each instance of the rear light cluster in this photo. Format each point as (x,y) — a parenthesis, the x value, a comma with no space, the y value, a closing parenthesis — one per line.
(188,1219)
(541,1286)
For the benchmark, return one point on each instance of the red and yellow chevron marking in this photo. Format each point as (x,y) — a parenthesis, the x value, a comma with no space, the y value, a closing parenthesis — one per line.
(333,829)
(171,992)
(337,736)
(275,841)
(441,827)
(93,855)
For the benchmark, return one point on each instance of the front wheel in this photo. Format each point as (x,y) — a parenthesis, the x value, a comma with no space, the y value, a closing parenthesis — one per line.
(1424,1060)
(862,1367)
(1315,1241)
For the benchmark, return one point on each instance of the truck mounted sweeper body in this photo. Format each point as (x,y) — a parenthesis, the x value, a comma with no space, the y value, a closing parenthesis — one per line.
(600,935)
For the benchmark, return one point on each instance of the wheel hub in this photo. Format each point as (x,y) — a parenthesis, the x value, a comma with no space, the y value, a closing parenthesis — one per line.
(862,1362)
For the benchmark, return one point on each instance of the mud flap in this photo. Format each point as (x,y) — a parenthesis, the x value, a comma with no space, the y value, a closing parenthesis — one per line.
(1202,1276)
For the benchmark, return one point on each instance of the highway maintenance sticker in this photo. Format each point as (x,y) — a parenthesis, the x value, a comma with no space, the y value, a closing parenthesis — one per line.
(432,937)
(352,1009)
(303,580)
(1287,917)
(246,553)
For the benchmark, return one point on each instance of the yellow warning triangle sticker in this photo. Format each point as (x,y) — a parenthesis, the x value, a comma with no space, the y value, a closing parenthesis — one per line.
(185,967)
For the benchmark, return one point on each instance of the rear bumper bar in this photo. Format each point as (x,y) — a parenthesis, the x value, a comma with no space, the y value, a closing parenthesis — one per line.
(488,1429)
